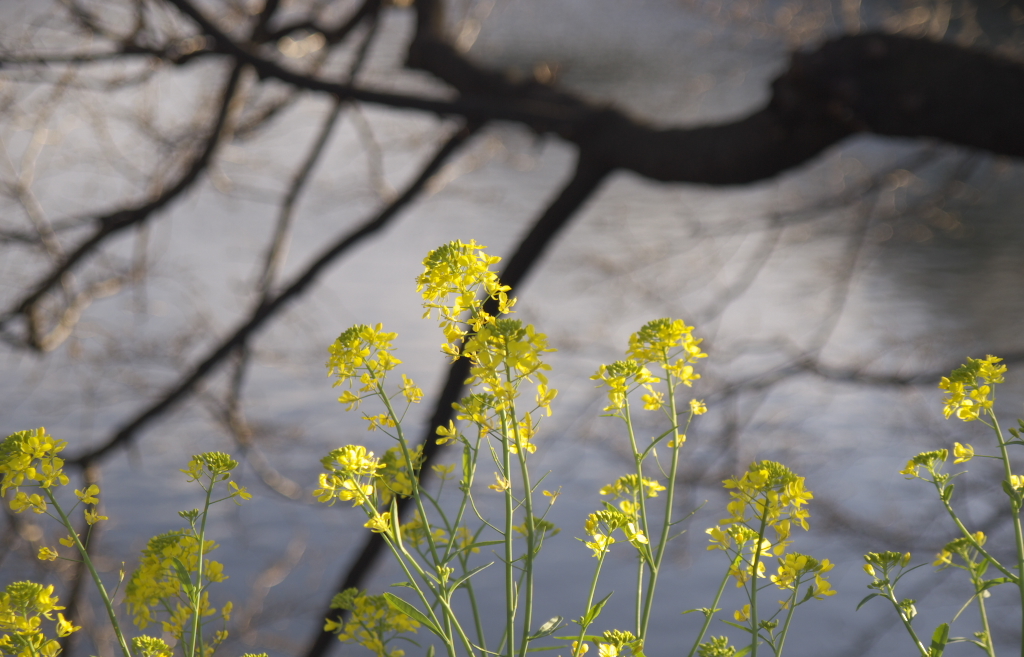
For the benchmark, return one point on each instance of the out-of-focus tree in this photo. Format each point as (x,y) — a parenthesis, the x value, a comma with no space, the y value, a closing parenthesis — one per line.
(115,112)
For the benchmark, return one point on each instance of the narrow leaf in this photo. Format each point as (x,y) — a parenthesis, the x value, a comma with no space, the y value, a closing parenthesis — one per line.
(861,603)
(404,607)
(547,628)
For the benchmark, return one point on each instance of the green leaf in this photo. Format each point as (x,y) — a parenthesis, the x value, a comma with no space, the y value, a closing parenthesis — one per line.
(741,653)
(738,626)
(947,492)
(939,639)
(547,628)
(184,577)
(595,611)
(861,603)
(457,583)
(989,583)
(430,651)
(404,607)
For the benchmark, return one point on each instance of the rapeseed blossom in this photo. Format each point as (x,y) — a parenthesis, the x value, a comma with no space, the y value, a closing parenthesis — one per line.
(23,608)
(970,387)
(670,344)
(29,458)
(372,622)
(454,275)
(622,377)
(155,586)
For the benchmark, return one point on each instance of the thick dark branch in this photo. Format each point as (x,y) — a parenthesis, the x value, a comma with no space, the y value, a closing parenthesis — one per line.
(266,311)
(882,84)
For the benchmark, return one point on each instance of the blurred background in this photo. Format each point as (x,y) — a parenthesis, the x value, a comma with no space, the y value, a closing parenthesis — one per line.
(161,204)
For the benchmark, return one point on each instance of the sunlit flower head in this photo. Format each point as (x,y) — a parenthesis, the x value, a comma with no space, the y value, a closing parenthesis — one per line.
(29,458)
(670,344)
(970,387)
(457,278)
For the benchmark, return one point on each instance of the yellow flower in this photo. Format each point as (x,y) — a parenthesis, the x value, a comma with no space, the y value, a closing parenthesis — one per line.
(88,496)
(502,484)
(599,544)
(698,407)
(47,554)
(444,470)
(963,453)
(380,523)
(65,627)
(742,615)
(91,517)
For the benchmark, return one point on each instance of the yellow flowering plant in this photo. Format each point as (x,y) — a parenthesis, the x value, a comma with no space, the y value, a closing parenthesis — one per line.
(499,420)
(172,578)
(970,396)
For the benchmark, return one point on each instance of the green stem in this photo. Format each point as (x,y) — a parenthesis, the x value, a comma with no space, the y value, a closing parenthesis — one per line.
(714,606)
(659,553)
(755,632)
(196,597)
(789,618)
(590,602)
(642,503)
(978,581)
(92,571)
(510,576)
(1015,506)
(890,594)
(531,535)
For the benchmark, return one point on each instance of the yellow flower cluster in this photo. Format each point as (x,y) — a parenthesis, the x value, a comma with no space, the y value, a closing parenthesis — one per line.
(796,565)
(669,343)
(964,547)
(367,352)
(394,477)
(776,498)
(351,471)
(614,644)
(622,377)
(156,585)
(372,622)
(30,458)
(884,561)
(601,524)
(716,646)
(627,486)
(457,283)
(453,277)
(970,387)
(928,460)
(149,646)
(23,607)
(666,342)
(771,491)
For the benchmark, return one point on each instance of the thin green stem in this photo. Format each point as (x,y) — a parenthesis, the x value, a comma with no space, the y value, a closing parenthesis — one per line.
(510,575)
(1015,506)
(92,571)
(659,552)
(982,610)
(789,617)
(638,460)
(196,596)
(714,606)
(890,594)
(755,633)
(590,601)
